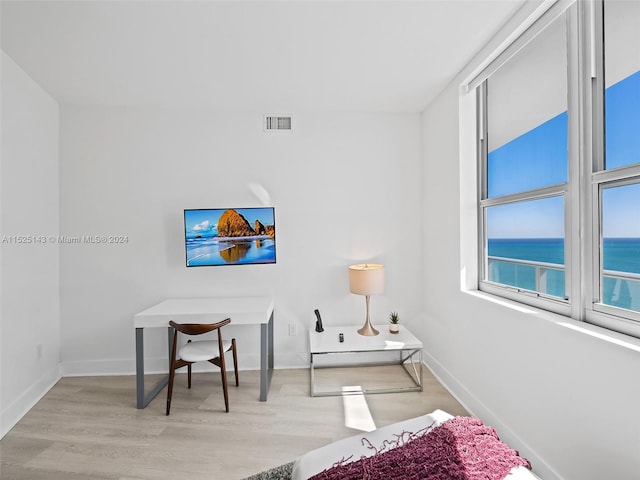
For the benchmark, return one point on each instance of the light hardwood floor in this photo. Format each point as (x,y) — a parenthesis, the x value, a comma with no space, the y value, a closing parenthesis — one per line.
(88,427)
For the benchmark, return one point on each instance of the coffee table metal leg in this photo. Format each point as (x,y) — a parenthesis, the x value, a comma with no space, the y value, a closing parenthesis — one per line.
(311,376)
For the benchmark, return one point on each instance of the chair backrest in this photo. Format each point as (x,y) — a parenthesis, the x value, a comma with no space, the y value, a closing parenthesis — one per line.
(198,328)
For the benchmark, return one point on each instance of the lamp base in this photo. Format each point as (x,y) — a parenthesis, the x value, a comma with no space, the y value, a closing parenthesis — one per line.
(368,330)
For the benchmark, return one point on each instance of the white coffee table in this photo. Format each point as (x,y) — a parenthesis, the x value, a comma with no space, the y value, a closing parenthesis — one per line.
(327,343)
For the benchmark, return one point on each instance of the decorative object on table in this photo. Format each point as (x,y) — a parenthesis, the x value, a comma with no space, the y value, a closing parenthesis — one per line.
(319,327)
(366,279)
(394,322)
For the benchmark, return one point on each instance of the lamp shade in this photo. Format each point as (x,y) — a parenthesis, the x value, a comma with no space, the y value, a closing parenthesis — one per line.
(366,279)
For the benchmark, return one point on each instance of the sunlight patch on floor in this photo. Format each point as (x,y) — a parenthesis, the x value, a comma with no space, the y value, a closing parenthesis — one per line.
(356,410)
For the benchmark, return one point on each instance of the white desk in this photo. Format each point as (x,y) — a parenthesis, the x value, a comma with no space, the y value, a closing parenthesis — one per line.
(409,349)
(241,310)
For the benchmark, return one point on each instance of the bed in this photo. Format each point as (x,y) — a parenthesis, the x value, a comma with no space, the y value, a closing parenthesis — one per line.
(456,448)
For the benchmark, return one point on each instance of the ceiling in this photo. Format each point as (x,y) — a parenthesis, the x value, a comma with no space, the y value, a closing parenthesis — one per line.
(265,55)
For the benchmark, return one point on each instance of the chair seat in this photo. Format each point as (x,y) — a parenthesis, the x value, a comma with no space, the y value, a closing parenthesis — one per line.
(212,351)
(202,350)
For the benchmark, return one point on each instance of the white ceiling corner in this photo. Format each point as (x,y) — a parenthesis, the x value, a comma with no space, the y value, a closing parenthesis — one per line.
(264,55)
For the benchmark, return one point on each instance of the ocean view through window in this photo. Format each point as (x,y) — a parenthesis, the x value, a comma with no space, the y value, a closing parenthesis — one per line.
(526,168)
(619,200)
(522,249)
(525,245)
(559,166)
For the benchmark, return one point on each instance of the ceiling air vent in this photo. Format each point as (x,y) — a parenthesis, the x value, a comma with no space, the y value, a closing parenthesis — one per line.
(274,123)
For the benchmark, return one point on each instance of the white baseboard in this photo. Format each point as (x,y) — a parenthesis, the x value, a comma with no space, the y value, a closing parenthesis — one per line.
(99,368)
(13,413)
(153,365)
(476,408)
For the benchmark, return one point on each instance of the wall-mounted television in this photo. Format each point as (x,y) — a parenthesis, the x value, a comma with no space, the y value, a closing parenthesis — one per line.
(230,236)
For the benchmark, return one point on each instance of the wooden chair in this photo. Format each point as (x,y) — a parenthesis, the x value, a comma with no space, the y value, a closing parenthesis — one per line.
(201,350)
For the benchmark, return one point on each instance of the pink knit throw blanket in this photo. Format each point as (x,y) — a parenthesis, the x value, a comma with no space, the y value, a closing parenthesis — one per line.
(462,448)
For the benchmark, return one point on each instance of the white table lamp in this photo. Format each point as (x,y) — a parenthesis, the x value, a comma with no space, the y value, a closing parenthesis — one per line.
(366,279)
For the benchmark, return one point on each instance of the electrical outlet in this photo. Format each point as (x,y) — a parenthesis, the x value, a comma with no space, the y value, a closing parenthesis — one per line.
(293,330)
(39,350)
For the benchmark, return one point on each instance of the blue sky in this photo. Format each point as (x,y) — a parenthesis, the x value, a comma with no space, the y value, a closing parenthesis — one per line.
(622,122)
(541,155)
(621,211)
(542,218)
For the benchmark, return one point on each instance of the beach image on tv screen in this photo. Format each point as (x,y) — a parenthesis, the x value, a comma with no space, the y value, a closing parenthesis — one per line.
(230,236)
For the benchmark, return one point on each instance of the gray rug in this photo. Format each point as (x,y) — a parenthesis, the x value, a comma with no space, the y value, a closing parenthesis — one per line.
(283,472)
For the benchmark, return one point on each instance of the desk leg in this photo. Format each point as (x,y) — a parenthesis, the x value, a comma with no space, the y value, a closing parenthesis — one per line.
(266,358)
(142,400)
(140,368)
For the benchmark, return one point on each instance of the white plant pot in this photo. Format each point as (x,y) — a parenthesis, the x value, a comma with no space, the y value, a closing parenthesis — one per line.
(394,327)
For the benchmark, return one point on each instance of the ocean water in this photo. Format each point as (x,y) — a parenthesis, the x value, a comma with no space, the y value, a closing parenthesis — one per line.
(207,251)
(619,254)
(548,250)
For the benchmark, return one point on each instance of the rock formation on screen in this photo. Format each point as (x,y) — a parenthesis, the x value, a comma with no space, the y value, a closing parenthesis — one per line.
(233,224)
(259,227)
(270,230)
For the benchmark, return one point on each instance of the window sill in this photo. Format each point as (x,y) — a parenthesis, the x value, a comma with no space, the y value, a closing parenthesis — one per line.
(584,328)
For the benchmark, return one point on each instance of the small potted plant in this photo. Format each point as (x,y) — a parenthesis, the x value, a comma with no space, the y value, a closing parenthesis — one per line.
(394,322)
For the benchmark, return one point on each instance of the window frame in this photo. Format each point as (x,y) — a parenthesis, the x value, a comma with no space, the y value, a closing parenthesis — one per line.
(607,316)
(555,304)
(586,175)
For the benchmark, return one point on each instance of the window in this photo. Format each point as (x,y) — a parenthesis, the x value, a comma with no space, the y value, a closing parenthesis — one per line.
(620,270)
(616,176)
(526,169)
(526,245)
(559,165)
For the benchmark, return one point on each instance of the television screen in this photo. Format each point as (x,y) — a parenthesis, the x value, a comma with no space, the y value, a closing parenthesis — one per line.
(230,236)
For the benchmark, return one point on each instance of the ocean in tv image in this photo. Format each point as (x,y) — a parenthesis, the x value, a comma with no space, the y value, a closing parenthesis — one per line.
(230,236)
(530,256)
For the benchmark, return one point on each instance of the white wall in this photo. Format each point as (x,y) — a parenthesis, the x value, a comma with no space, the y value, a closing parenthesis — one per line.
(561,392)
(346,188)
(29,299)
